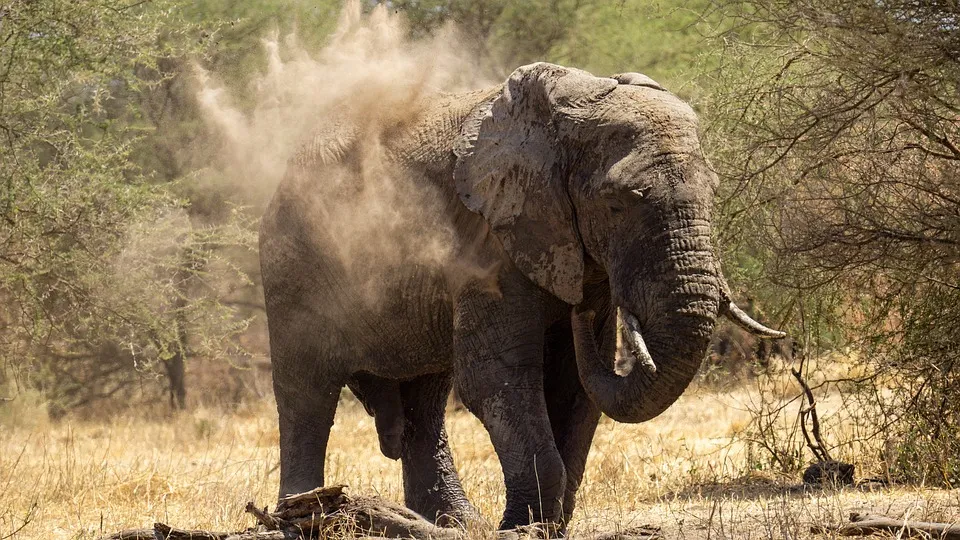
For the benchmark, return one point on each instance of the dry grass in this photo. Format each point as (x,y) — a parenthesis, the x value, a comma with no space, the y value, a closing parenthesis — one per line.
(680,471)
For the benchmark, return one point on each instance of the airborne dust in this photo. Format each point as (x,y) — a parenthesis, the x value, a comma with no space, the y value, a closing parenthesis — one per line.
(369,77)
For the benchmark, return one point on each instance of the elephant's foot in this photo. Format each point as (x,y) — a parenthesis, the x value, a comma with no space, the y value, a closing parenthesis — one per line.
(446,509)
(461,514)
(527,518)
(536,494)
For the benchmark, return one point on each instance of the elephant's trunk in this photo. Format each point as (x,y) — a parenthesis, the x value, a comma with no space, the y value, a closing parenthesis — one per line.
(668,290)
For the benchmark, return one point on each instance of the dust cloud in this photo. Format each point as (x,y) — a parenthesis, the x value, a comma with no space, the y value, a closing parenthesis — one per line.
(311,109)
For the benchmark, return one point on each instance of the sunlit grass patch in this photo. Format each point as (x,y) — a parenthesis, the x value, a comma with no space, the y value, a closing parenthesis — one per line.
(681,471)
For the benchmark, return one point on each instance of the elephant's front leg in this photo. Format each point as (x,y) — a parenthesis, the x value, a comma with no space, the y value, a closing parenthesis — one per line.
(499,366)
(573,416)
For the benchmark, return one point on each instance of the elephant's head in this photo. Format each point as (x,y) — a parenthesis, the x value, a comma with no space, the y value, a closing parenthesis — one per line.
(572,170)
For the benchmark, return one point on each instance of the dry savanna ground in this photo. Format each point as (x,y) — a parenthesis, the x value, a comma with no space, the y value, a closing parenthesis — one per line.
(688,471)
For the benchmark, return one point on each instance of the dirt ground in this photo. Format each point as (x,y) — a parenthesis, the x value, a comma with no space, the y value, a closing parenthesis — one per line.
(688,471)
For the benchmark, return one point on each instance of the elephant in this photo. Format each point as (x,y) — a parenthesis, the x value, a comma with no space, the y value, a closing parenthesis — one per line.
(583,205)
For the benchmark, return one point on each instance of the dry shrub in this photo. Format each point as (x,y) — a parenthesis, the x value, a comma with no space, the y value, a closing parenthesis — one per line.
(915,392)
(836,140)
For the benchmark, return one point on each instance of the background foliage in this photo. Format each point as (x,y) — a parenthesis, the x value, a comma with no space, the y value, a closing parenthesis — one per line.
(835,127)
(99,255)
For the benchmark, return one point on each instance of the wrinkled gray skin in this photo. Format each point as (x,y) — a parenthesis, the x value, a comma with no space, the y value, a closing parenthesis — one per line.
(590,199)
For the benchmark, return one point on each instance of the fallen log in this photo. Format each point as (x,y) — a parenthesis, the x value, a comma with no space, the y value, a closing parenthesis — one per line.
(329,512)
(866,524)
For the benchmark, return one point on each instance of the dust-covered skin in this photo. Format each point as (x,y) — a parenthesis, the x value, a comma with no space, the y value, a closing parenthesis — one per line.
(497,238)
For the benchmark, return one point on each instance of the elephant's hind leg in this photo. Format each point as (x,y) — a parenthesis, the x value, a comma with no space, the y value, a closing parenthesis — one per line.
(431,486)
(307,391)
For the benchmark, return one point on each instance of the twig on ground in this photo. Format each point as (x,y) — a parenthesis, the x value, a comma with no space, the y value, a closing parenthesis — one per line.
(26,520)
(866,524)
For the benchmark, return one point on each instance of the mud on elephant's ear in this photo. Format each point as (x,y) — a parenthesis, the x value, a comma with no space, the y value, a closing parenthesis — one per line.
(513,170)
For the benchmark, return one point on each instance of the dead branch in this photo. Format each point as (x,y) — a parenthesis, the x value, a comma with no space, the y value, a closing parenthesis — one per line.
(644,532)
(264,518)
(132,534)
(866,524)
(170,533)
(819,449)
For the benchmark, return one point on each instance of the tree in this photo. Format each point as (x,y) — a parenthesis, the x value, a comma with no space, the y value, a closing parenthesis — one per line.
(663,40)
(91,265)
(501,35)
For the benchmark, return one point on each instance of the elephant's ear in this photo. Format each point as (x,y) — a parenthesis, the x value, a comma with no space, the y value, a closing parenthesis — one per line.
(513,169)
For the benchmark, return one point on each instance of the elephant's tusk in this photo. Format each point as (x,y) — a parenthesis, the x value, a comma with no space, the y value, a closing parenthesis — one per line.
(629,332)
(741,319)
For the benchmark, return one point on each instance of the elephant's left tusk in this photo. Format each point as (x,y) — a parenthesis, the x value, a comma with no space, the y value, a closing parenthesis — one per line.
(630,334)
(738,316)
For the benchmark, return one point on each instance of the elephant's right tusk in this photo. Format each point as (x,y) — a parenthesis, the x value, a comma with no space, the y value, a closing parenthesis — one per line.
(741,319)
(629,330)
